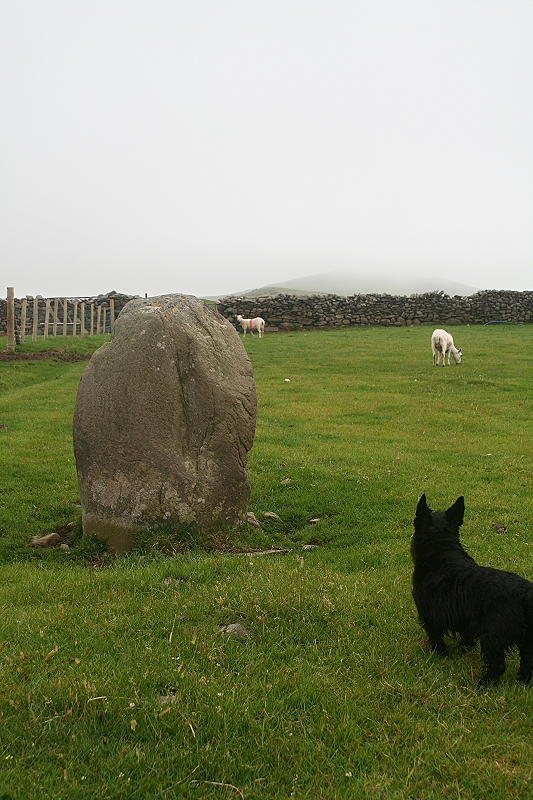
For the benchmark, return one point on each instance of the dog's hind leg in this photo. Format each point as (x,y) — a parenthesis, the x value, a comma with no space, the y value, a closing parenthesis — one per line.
(526,663)
(494,658)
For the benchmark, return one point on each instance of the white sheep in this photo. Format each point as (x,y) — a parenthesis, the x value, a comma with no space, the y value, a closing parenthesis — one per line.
(442,345)
(255,324)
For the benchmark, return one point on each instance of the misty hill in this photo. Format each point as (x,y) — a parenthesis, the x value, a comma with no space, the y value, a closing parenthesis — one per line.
(346,284)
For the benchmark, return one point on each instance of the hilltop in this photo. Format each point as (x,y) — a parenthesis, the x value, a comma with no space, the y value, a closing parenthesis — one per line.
(346,284)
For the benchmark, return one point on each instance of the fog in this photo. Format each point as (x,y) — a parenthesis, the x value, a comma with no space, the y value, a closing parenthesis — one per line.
(220,145)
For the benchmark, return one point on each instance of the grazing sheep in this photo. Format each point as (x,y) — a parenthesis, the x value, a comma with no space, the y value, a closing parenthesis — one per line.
(442,345)
(255,324)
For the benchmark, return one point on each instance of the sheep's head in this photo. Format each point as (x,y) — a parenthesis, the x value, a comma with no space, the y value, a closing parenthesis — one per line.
(239,318)
(458,355)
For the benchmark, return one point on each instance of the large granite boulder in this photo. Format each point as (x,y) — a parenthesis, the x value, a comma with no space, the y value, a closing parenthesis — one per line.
(164,420)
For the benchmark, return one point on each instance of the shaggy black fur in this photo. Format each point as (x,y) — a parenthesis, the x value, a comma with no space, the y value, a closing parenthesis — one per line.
(453,594)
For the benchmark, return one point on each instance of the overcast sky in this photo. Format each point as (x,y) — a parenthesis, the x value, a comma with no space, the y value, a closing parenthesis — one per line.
(211,146)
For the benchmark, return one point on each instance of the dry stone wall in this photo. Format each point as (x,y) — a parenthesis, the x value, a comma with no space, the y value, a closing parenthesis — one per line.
(289,312)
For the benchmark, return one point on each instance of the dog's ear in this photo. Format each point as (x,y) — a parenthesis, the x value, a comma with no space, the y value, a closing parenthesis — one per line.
(455,513)
(422,510)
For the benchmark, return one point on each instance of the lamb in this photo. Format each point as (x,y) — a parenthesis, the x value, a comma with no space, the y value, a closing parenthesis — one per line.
(442,344)
(255,324)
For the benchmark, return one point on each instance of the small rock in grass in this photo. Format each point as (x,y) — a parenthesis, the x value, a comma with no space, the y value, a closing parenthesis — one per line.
(309,546)
(168,699)
(252,519)
(315,520)
(499,528)
(286,481)
(271,515)
(235,630)
(50,540)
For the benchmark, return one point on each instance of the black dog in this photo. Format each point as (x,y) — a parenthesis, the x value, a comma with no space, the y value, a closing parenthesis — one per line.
(453,594)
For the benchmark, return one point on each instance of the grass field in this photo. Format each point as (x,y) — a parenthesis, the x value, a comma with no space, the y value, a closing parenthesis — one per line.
(115,681)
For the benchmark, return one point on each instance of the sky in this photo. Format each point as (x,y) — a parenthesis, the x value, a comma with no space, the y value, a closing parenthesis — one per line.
(213,146)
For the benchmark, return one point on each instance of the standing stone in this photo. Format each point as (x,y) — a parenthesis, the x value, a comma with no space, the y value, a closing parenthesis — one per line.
(164,420)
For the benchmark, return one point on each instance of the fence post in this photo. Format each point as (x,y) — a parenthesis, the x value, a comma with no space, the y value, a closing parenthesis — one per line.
(104,311)
(111,314)
(56,316)
(98,315)
(82,319)
(10,319)
(46,317)
(75,318)
(65,316)
(35,320)
(91,330)
(23,313)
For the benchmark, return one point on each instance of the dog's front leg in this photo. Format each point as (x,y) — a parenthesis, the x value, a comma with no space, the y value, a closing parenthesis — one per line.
(436,642)
(438,647)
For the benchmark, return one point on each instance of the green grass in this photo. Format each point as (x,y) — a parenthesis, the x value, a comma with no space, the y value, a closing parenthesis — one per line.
(334,694)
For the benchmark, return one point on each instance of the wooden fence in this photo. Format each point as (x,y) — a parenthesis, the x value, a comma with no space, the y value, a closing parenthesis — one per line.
(59,316)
